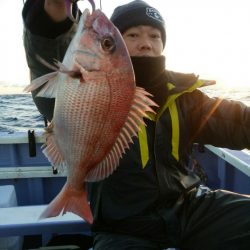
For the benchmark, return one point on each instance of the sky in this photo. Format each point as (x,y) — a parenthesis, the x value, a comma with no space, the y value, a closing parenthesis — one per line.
(210,38)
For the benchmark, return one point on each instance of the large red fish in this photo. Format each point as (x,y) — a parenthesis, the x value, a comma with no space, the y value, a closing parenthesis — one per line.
(98,109)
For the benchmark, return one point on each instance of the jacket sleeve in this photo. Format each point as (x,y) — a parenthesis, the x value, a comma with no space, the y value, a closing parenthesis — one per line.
(44,37)
(49,40)
(216,121)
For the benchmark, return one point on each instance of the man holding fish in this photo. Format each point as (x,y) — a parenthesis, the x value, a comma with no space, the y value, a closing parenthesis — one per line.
(141,194)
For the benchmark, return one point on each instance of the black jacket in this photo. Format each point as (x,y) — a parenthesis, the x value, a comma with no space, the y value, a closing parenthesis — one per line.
(152,174)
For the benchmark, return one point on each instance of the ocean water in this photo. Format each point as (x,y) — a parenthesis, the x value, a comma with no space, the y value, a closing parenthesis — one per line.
(18,113)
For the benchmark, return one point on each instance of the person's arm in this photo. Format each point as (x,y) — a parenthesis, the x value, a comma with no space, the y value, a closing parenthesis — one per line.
(47,33)
(43,36)
(219,122)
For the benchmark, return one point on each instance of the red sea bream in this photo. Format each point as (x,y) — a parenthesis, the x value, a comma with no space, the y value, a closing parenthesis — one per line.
(98,109)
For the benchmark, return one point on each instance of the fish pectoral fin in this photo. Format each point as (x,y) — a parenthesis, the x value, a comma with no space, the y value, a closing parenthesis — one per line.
(50,85)
(52,152)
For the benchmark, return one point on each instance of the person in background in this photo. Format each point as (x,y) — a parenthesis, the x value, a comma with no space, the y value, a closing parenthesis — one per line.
(152,201)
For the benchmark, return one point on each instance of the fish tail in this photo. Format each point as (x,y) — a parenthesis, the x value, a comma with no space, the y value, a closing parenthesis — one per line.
(69,200)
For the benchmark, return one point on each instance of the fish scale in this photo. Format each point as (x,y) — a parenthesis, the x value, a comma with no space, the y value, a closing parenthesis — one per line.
(85,138)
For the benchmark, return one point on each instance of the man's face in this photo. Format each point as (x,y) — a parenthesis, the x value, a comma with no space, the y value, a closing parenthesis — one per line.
(143,40)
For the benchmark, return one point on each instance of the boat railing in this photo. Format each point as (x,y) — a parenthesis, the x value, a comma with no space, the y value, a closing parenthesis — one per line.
(240,159)
(225,168)
(17,161)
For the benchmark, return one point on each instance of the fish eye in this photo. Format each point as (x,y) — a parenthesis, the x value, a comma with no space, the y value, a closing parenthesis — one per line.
(108,44)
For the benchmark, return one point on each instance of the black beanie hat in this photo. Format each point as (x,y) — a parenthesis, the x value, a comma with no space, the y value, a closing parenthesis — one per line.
(137,13)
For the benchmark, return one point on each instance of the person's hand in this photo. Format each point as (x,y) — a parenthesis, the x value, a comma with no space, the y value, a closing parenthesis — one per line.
(56,9)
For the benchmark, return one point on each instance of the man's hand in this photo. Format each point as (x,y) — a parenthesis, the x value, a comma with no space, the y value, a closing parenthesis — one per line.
(56,9)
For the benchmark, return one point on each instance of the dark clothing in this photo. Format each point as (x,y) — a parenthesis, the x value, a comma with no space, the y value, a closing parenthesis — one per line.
(149,201)
(218,220)
(43,37)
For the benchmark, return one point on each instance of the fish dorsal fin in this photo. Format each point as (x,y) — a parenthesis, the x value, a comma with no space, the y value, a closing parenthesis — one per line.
(51,151)
(49,89)
(139,108)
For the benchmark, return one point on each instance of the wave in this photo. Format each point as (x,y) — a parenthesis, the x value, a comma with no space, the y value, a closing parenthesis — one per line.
(19,113)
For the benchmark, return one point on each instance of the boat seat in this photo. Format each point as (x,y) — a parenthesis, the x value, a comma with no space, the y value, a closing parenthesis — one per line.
(8,199)
(24,220)
(7,196)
